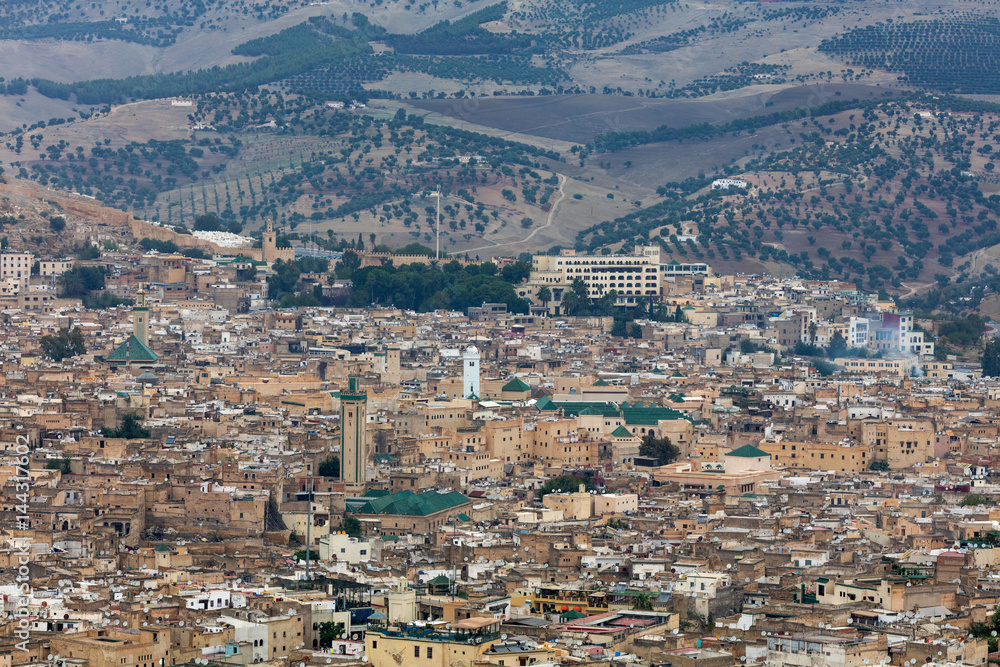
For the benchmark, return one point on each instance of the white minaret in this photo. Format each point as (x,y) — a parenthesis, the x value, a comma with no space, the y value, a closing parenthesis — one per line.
(470,375)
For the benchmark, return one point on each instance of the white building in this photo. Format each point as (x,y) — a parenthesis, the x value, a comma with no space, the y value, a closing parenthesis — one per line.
(729,183)
(470,372)
(858,329)
(345,549)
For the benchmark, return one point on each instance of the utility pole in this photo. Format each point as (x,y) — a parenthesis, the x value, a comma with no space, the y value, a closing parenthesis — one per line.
(309,521)
(454,566)
(438,254)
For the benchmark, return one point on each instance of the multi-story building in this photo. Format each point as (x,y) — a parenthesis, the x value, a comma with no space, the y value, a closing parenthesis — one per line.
(420,646)
(902,443)
(850,458)
(15,265)
(54,267)
(116,647)
(630,276)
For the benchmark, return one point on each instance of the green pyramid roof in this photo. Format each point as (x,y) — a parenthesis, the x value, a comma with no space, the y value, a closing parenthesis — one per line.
(409,504)
(545,403)
(600,383)
(622,432)
(749,452)
(137,351)
(515,385)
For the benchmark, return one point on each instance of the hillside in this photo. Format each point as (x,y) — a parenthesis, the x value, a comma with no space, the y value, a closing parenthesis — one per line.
(586,124)
(889,195)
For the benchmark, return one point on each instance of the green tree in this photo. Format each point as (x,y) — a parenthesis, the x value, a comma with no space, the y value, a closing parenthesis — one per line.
(642,602)
(80,281)
(991,359)
(837,346)
(974,500)
(352,526)
(328,632)
(284,281)
(879,466)
(349,262)
(57,223)
(563,484)
(659,448)
(62,465)
(301,554)
(64,344)
(544,295)
(330,467)
(131,428)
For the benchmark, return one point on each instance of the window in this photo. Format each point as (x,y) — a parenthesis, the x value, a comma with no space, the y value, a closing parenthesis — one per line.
(374,643)
(416,651)
(430,652)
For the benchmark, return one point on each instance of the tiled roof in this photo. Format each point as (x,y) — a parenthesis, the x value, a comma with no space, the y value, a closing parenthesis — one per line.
(137,351)
(749,452)
(515,385)
(409,504)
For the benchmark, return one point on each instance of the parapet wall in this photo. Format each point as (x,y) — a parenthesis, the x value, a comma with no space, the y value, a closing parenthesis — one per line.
(376,259)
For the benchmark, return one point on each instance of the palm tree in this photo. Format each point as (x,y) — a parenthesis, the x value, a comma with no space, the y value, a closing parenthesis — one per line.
(545,295)
(642,602)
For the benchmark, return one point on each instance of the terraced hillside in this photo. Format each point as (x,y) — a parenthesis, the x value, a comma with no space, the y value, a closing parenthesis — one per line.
(954,55)
(887,195)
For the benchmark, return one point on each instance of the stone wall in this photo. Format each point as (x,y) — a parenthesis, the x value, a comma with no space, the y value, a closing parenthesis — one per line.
(377,258)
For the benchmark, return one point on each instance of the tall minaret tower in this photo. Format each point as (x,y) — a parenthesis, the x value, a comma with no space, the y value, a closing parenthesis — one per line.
(140,318)
(353,437)
(270,242)
(470,374)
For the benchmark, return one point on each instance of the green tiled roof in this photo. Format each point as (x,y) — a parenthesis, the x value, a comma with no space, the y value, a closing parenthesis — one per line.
(749,452)
(650,416)
(600,383)
(137,351)
(637,414)
(407,503)
(621,432)
(515,385)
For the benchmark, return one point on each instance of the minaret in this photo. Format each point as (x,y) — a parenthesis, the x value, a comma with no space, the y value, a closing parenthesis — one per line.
(140,318)
(353,437)
(470,374)
(270,242)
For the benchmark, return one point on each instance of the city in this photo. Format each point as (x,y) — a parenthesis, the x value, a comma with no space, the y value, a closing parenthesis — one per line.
(726,469)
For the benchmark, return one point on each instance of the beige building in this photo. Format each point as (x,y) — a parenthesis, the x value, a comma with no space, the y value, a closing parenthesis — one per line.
(54,267)
(557,442)
(113,647)
(431,647)
(575,505)
(15,265)
(631,276)
(615,503)
(846,458)
(902,443)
